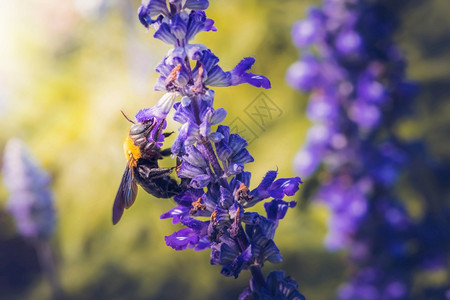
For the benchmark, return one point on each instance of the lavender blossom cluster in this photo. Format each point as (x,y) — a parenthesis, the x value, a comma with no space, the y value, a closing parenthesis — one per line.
(355,75)
(31,200)
(215,189)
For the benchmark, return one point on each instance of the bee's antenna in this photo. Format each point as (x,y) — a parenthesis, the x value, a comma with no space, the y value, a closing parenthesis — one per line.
(126,117)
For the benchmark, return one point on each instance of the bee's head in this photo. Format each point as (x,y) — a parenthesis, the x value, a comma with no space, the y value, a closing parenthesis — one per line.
(142,128)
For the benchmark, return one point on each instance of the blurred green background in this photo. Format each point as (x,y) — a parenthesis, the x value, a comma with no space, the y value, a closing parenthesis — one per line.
(67,68)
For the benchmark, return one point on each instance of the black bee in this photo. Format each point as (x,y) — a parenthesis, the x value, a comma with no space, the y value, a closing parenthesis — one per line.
(142,167)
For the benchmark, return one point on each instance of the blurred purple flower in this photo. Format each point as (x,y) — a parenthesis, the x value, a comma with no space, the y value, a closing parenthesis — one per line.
(356,76)
(31,200)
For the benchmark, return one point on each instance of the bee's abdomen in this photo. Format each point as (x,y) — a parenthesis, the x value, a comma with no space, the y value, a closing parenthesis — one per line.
(162,187)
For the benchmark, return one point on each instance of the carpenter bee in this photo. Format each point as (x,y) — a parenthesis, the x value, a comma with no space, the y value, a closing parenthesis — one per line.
(142,167)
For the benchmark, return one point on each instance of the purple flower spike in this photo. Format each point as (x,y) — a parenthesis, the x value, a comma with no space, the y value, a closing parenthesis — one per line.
(210,164)
(355,75)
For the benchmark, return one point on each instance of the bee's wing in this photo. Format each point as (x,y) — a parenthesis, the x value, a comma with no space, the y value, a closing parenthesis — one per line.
(125,195)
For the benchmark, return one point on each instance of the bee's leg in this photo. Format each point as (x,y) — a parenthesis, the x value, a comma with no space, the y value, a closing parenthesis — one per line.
(159,172)
(166,152)
(158,131)
(167,134)
(147,173)
(149,130)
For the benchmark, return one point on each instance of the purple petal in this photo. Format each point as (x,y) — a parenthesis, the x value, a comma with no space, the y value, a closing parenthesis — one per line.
(226,198)
(165,35)
(253,79)
(242,157)
(239,75)
(223,150)
(196,4)
(182,239)
(217,117)
(200,181)
(160,110)
(194,157)
(241,262)
(285,186)
(276,209)
(235,168)
(208,61)
(176,213)
(186,170)
(145,114)
(271,253)
(197,23)
(152,8)
(262,191)
(237,143)
(155,7)
(179,27)
(217,77)
(183,113)
(244,65)
(203,244)
(199,226)
(195,51)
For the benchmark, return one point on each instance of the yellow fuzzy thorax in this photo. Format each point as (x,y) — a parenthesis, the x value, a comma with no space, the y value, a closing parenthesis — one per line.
(132,152)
